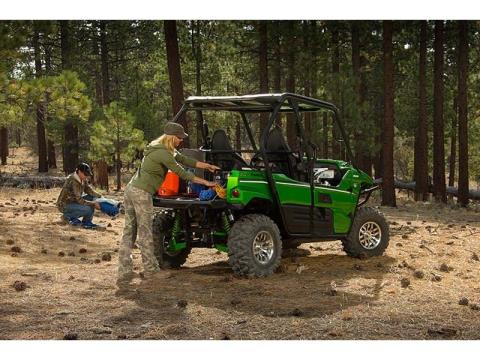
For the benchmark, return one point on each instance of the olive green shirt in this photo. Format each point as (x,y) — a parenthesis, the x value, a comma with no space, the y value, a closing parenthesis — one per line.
(155,164)
(72,192)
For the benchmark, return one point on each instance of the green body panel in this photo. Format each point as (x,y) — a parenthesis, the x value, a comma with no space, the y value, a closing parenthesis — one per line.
(253,184)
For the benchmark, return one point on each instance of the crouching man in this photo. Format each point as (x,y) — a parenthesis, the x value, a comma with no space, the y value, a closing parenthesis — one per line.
(73,203)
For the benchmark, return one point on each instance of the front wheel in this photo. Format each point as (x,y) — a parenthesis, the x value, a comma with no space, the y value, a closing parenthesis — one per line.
(369,234)
(162,229)
(254,246)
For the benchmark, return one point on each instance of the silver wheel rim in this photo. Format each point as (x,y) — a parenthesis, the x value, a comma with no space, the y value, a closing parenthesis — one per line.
(263,247)
(370,235)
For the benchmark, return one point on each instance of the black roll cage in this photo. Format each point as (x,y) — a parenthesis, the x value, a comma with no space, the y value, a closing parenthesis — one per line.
(274,104)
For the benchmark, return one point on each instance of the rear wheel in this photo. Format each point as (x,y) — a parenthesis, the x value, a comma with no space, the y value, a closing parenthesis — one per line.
(254,246)
(369,234)
(162,229)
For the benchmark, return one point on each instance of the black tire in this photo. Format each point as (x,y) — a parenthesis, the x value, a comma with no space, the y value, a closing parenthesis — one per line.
(240,246)
(162,225)
(352,244)
(290,244)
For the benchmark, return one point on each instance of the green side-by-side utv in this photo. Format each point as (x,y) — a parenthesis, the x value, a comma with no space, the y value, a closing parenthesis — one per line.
(280,197)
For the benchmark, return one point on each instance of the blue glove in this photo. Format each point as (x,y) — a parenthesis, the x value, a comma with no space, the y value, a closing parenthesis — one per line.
(109,209)
(207,194)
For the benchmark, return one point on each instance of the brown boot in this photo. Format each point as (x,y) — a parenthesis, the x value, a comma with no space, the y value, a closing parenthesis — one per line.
(124,280)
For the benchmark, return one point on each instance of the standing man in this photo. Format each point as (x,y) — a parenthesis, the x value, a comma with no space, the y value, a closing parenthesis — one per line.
(71,201)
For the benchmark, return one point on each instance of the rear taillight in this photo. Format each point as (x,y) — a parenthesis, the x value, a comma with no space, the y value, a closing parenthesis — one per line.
(235,193)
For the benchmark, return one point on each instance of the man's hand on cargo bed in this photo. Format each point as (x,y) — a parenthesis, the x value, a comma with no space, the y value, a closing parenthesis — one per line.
(207,166)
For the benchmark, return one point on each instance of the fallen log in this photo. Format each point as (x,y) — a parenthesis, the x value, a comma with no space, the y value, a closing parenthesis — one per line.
(31,182)
(451,190)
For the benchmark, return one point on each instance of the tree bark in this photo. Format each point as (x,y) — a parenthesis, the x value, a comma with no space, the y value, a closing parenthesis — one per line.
(263,66)
(306,77)
(325,135)
(463,175)
(104,61)
(101,174)
(277,65)
(290,83)
(52,159)
(336,148)
(453,146)
(118,163)
(4,145)
(197,54)
(238,135)
(314,79)
(70,153)
(356,66)
(40,109)
(174,72)
(439,185)
(421,136)
(388,187)
(51,156)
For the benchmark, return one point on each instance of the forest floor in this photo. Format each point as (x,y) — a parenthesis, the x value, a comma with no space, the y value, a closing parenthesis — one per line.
(65,283)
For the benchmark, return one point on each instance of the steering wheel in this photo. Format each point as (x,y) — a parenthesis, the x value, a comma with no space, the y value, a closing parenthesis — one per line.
(256,159)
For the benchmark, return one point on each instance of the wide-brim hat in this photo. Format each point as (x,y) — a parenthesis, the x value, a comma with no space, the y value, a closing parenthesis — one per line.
(176,129)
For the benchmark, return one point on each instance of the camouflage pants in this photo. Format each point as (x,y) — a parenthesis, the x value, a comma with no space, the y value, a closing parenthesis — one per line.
(138,218)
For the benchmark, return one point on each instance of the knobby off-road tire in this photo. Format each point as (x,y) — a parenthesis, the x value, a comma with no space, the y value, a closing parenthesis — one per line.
(162,225)
(250,230)
(368,221)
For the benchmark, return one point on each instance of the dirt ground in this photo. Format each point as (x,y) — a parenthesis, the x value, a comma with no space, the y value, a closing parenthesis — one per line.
(414,291)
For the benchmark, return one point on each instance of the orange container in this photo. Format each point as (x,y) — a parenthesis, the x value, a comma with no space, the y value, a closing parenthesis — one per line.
(170,185)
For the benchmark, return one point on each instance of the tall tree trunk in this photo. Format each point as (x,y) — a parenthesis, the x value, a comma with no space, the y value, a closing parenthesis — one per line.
(313,81)
(4,145)
(290,83)
(388,187)
(421,136)
(367,159)
(263,67)
(18,137)
(40,110)
(325,135)
(307,74)
(277,65)
(463,176)
(356,66)
(238,136)
(453,146)
(104,61)
(70,152)
(101,174)
(102,93)
(378,159)
(439,187)
(197,54)
(174,72)
(51,156)
(336,148)
(118,163)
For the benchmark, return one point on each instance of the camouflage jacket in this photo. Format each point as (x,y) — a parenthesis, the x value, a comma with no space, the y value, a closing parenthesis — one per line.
(73,190)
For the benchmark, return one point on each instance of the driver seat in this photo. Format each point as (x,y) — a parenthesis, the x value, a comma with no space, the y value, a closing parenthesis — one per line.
(284,159)
(229,159)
